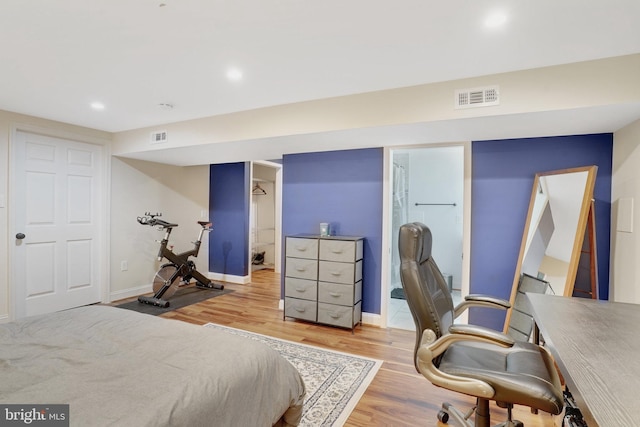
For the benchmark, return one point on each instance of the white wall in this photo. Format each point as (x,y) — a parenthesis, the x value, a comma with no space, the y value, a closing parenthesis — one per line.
(8,122)
(267,133)
(436,176)
(181,194)
(625,246)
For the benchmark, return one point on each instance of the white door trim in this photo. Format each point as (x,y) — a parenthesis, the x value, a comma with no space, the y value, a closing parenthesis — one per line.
(104,232)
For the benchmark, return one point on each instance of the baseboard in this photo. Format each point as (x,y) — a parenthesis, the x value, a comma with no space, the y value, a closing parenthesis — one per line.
(367,318)
(131,292)
(241,280)
(139,290)
(371,319)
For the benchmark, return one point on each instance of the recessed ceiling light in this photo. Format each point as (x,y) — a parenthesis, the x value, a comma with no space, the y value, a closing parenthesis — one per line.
(97,105)
(234,74)
(495,19)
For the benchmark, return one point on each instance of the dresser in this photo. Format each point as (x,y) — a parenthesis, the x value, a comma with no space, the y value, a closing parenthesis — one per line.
(323,279)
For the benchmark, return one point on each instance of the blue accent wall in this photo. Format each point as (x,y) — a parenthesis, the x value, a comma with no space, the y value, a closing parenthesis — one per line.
(343,188)
(229,212)
(502,180)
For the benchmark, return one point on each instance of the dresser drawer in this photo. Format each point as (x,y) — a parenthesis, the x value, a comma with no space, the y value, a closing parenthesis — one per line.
(300,309)
(300,288)
(300,247)
(340,250)
(334,293)
(338,315)
(302,268)
(340,272)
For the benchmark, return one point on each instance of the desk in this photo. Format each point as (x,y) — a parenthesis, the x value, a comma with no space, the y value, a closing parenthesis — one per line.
(597,347)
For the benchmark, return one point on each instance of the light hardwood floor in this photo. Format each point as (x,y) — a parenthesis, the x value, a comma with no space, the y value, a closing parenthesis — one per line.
(398,395)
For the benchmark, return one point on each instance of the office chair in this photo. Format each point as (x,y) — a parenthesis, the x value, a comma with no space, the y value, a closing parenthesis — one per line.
(521,321)
(472,360)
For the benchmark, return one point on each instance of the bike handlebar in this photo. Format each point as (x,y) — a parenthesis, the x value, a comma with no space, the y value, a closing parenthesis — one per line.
(151,220)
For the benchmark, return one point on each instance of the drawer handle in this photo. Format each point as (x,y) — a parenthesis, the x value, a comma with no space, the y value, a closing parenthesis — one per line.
(301,248)
(334,294)
(336,251)
(301,268)
(301,290)
(333,315)
(299,310)
(336,273)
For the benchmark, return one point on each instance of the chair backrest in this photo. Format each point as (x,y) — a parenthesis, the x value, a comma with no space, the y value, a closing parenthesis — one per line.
(426,290)
(521,323)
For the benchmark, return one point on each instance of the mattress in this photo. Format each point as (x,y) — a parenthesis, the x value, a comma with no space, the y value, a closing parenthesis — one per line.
(116,367)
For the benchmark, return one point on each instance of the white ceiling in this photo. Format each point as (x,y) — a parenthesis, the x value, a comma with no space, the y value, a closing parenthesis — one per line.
(56,57)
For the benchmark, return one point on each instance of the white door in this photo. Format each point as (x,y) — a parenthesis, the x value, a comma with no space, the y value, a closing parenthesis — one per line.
(56,201)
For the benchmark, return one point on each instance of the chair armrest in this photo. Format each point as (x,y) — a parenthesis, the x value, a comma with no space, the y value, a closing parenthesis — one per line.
(430,350)
(482,332)
(464,333)
(476,300)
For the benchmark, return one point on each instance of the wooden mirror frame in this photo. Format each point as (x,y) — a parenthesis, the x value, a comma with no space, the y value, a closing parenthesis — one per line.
(579,234)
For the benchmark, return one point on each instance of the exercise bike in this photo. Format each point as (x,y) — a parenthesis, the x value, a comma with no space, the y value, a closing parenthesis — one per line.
(180,270)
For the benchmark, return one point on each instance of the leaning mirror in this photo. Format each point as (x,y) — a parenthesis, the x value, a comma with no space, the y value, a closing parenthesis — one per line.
(552,240)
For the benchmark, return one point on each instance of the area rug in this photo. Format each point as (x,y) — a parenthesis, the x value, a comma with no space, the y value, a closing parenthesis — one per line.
(334,381)
(182,298)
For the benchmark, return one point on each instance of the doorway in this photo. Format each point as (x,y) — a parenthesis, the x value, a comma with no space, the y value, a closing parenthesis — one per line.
(57,204)
(265,216)
(427,184)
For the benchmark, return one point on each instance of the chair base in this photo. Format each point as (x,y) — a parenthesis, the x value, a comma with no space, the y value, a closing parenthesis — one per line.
(482,417)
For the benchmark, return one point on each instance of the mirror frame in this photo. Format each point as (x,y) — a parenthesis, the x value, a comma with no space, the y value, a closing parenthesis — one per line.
(578,240)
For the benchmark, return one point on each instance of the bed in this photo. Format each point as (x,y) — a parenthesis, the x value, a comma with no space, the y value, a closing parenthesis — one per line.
(116,367)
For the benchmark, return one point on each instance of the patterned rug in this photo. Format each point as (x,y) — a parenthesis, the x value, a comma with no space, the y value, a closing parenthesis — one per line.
(334,381)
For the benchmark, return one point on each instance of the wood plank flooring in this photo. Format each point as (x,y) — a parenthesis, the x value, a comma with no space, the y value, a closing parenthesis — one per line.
(398,395)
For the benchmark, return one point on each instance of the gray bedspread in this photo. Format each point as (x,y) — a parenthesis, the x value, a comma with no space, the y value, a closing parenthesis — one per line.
(122,368)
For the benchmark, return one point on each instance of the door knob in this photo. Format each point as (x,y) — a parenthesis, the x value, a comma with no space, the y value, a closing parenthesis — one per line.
(20,236)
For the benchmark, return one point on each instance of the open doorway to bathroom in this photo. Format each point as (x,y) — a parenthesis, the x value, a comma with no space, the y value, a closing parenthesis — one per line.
(427,185)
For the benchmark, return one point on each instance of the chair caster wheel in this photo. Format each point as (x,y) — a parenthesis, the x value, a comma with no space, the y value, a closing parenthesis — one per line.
(443,417)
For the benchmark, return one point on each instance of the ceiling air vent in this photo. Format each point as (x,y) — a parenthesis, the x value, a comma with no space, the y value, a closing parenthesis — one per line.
(479,97)
(159,137)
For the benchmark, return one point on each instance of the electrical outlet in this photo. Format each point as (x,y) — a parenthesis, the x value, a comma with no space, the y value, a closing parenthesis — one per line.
(124,266)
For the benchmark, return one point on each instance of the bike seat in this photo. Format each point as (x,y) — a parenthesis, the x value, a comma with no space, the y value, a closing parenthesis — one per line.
(158,222)
(205,224)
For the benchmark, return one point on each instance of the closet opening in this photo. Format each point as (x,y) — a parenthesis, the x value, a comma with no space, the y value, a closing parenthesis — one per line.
(265,216)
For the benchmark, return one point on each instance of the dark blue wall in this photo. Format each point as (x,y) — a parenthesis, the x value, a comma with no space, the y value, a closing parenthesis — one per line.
(229,212)
(502,179)
(343,188)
